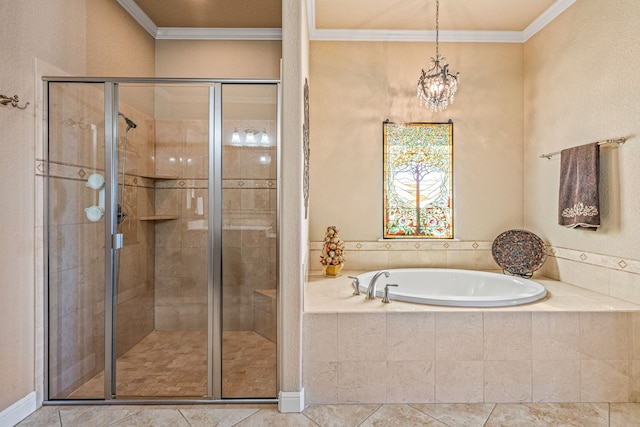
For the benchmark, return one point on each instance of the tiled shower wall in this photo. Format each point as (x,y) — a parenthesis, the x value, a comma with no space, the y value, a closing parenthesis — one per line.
(249,224)
(76,266)
(181,244)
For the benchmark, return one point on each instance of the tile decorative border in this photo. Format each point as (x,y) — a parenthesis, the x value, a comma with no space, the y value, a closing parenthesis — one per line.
(373,255)
(80,173)
(181,183)
(608,275)
(614,263)
(416,245)
(628,265)
(249,183)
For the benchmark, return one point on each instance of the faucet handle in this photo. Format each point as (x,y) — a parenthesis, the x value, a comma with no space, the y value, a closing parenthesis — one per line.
(356,284)
(386,299)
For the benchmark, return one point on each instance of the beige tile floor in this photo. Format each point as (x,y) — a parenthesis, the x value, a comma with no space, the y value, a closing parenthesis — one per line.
(174,364)
(436,415)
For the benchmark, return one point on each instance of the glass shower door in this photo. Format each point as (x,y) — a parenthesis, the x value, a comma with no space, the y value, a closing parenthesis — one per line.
(161,316)
(75,234)
(161,239)
(249,258)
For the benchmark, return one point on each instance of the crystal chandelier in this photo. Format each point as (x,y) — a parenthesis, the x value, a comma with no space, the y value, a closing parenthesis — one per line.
(437,86)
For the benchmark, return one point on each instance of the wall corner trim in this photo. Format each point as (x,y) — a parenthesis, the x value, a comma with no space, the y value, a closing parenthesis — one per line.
(291,401)
(19,410)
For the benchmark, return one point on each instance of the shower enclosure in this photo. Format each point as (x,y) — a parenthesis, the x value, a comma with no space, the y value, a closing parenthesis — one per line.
(161,239)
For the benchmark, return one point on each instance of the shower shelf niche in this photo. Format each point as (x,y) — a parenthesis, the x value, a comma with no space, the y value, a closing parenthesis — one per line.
(158,217)
(160,177)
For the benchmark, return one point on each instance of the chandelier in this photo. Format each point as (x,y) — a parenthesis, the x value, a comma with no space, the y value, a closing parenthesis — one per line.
(437,86)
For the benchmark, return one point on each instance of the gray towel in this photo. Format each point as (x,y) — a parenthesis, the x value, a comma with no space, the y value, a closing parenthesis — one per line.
(579,204)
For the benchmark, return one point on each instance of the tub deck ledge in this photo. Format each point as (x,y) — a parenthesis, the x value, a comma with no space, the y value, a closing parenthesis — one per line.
(334,295)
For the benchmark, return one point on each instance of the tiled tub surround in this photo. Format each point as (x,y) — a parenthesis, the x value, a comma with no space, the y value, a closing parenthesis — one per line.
(575,346)
(608,275)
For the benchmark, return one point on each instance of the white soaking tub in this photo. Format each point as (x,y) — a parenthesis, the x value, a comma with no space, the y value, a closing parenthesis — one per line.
(457,288)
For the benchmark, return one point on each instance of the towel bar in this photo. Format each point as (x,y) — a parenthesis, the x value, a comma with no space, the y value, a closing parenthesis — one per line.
(618,141)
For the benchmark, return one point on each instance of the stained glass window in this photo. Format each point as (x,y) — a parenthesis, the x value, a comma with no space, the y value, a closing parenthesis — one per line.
(418,175)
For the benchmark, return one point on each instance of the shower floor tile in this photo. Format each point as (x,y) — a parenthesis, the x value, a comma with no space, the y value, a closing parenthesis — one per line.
(174,364)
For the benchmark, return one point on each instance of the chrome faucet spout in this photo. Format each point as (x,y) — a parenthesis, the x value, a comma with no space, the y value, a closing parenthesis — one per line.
(371,290)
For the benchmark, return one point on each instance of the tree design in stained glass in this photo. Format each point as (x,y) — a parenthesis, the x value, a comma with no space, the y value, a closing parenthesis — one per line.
(418,180)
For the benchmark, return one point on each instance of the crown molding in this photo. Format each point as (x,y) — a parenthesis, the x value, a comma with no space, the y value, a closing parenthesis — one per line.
(177,33)
(417,36)
(138,14)
(547,16)
(429,35)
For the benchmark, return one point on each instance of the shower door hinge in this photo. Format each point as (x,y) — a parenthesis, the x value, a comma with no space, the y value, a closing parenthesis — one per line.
(117,241)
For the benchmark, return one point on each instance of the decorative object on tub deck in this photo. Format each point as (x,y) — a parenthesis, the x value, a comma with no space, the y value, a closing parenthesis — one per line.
(519,252)
(332,257)
(579,201)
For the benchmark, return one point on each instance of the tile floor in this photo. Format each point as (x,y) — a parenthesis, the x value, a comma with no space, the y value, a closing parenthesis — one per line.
(174,364)
(435,415)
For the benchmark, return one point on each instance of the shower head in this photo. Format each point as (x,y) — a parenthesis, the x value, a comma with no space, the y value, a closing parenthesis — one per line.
(130,123)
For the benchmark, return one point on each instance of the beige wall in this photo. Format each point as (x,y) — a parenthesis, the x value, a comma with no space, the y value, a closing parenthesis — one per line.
(116,45)
(356,86)
(59,33)
(581,85)
(218,59)
(293,244)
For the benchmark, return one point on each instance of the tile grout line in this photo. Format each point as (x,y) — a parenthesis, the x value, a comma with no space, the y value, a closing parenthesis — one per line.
(185,418)
(495,405)
(310,419)
(371,414)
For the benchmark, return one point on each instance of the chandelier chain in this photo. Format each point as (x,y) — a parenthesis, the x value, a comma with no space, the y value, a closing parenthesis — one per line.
(437,26)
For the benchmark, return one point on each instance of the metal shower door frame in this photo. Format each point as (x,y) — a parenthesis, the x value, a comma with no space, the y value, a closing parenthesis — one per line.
(113,241)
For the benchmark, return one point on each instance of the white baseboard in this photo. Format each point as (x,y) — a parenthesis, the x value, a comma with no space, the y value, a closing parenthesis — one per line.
(19,410)
(291,401)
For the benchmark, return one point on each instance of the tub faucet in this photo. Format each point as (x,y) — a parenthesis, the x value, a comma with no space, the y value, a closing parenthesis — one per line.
(371,290)
(355,284)
(386,299)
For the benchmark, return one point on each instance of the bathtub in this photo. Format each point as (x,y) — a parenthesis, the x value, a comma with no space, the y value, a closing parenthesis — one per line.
(457,288)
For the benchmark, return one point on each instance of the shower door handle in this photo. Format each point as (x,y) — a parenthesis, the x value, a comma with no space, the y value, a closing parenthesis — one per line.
(117,241)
